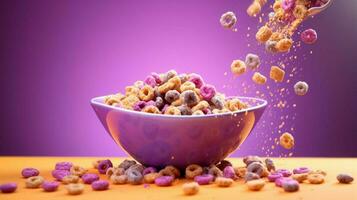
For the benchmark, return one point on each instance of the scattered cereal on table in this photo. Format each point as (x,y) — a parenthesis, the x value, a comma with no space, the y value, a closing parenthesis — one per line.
(344,178)
(8,187)
(28,172)
(190,188)
(255,185)
(224,182)
(316,178)
(75,188)
(50,186)
(34,181)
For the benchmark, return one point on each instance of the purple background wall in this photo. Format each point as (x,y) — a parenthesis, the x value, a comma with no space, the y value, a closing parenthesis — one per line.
(57,55)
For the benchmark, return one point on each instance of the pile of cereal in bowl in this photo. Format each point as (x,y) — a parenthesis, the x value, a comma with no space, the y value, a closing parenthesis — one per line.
(175,94)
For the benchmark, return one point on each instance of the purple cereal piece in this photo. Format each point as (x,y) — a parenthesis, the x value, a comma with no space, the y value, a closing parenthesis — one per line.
(228,172)
(207,92)
(290,186)
(104,165)
(196,79)
(157,78)
(301,170)
(100,185)
(284,172)
(149,170)
(288,5)
(279,181)
(273,176)
(164,108)
(151,103)
(8,187)
(204,179)
(150,80)
(138,106)
(89,178)
(50,186)
(63,166)
(164,180)
(207,111)
(59,174)
(309,36)
(29,172)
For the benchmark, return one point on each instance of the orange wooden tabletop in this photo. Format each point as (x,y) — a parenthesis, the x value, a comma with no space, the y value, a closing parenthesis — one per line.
(10,171)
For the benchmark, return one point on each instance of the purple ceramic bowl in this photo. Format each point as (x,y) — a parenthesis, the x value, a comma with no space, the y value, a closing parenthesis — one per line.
(159,140)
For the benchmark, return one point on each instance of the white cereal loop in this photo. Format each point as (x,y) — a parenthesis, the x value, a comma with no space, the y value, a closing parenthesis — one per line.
(301,88)
(228,20)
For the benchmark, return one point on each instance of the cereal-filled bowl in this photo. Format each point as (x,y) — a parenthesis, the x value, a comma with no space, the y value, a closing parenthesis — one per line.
(160,140)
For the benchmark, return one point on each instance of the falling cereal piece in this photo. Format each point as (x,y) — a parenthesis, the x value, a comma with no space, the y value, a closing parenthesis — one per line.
(277,74)
(284,45)
(228,20)
(238,67)
(286,140)
(301,88)
(258,78)
(263,34)
(254,9)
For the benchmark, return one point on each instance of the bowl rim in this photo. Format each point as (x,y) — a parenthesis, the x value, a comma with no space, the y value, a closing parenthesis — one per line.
(95,101)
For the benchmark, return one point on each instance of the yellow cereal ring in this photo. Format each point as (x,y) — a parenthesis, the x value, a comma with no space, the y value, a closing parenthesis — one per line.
(200,106)
(235,105)
(151,109)
(131,90)
(78,170)
(188,85)
(146,93)
(286,140)
(172,110)
(238,67)
(190,188)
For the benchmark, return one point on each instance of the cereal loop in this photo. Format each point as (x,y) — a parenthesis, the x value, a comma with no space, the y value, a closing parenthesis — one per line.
(75,188)
(34,181)
(146,93)
(131,91)
(200,106)
(172,110)
(188,85)
(77,170)
(256,185)
(193,170)
(223,182)
(70,179)
(151,109)
(286,140)
(316,178)
(238,67)
(190,188)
